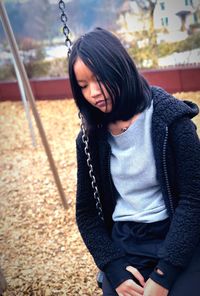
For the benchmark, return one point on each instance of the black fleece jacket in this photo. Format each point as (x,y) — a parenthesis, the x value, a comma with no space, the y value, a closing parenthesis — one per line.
(177,155)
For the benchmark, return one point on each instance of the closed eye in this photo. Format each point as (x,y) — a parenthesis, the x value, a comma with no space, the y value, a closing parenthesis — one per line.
(82,86)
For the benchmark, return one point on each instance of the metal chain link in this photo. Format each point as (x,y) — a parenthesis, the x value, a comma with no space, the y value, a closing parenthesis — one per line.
(66,30)
(85,137)
(85,140)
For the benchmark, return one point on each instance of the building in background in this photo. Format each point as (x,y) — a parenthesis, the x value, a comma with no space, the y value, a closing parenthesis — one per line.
(178,19)
(172,20)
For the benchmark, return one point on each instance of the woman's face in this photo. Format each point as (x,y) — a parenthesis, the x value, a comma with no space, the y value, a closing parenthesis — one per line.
(93,91)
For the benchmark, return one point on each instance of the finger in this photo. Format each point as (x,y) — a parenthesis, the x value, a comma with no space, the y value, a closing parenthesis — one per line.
(130,294)
(136,274)
(131,287)
(138,290)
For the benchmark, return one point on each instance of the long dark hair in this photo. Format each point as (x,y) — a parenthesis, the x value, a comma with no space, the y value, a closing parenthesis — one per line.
(103,53)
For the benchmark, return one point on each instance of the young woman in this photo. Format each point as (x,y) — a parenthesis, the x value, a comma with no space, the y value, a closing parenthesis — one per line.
(138,210)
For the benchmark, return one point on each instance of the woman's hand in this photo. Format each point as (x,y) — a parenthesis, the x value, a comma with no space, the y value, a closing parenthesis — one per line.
(129,287)
(153,289)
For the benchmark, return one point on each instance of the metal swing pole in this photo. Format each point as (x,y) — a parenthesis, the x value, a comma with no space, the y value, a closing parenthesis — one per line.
(26,103)
(29,94)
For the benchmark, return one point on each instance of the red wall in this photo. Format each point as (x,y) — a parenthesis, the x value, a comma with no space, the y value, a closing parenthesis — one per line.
(171,79)
(175,79)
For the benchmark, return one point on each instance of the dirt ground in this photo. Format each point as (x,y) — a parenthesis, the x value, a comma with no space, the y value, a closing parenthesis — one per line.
(41,251)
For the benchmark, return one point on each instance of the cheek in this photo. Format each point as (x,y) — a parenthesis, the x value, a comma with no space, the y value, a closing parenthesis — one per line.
(86,95)
(84,92)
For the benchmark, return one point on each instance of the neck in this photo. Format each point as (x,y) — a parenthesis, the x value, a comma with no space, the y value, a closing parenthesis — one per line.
(121,126)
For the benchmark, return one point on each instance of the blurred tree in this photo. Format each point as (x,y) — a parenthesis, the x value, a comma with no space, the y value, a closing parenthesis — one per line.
(148,54)
(40,19)
(85,15)
(35,19)
(148,6)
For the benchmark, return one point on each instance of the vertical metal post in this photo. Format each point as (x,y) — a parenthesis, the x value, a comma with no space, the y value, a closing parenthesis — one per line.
(26,104)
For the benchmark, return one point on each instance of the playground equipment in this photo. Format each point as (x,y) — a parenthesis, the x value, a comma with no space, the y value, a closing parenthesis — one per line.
(27,93)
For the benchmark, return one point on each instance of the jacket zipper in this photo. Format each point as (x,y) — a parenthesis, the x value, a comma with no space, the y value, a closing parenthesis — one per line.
(109,173)
(165,171)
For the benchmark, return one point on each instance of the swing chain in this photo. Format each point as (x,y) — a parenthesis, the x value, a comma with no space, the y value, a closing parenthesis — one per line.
(85,137)
(66,30)
(85,140)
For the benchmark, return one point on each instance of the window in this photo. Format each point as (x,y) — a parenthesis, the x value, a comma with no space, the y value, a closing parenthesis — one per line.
(164,21)
(162,5)
(195,18)
(188,2)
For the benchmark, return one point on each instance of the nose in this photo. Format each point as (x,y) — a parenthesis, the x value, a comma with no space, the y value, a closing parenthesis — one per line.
(95,90)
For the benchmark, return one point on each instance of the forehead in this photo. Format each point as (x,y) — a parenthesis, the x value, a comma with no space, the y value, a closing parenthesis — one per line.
(81,71)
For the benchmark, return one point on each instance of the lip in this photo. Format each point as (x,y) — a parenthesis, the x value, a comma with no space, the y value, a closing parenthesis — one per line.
(100,103)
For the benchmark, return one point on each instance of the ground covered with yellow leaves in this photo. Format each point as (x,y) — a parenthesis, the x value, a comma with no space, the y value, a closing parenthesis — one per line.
(40,247)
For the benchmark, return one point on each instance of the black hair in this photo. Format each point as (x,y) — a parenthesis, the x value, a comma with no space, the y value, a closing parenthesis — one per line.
(105,56)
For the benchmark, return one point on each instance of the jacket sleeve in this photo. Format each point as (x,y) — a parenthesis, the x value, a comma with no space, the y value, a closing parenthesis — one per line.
(184,233)
(107,256)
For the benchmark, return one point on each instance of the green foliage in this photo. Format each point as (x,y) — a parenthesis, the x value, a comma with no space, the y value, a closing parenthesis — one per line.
(190,43)
(36,69)
(27,44)
(153,52)
(54,68)
(148,53)
(40,54)
(58,68)
(7,72)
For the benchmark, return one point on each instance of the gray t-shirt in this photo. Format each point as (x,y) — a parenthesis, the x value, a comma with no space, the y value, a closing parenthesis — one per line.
(133,171)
